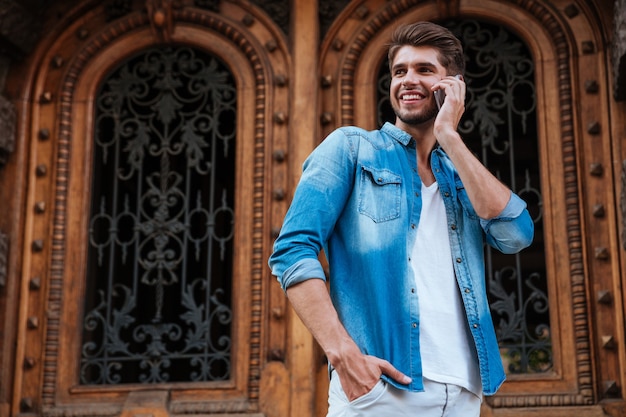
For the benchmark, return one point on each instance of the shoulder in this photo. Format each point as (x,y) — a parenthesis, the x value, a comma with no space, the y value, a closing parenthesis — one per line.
(376,138)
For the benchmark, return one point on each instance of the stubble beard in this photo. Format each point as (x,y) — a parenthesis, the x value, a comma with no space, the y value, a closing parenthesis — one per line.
(413,119)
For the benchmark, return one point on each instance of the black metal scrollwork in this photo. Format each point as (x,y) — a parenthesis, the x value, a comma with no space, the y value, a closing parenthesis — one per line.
(158,302)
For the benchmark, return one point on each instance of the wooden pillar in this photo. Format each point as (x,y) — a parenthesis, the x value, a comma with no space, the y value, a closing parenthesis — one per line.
(20,29)
(304,44)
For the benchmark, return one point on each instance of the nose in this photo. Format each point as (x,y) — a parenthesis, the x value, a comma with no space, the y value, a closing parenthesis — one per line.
(410,79)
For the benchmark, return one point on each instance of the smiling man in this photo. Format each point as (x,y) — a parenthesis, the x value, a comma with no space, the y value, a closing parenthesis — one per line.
(402,214)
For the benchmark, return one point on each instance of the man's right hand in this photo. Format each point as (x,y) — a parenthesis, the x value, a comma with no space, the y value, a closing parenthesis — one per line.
(359,373)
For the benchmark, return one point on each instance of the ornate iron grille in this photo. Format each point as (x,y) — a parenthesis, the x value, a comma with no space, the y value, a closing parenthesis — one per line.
(158,302)
(500,126)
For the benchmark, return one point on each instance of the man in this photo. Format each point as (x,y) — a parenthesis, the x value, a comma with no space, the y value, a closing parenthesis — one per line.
(402,214)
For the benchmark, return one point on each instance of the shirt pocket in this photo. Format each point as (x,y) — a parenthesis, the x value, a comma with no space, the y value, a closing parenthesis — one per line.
(380,193)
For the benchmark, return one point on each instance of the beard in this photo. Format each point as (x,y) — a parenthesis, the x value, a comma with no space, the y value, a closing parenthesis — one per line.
(416,118)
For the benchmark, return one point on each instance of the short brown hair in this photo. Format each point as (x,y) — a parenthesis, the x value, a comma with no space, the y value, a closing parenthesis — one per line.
(450,50)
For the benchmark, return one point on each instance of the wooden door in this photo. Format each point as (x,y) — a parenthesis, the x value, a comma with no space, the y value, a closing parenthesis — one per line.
(151,131)
(141,228)
(538,114)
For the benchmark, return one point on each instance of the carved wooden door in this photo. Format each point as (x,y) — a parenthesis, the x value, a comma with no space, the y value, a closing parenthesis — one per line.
(159,143)
(537,114)
(145,283)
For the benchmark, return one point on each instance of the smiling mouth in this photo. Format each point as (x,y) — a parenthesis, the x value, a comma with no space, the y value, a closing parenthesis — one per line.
(412,96)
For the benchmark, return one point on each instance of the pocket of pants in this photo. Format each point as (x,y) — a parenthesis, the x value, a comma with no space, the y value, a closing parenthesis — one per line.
(369,398)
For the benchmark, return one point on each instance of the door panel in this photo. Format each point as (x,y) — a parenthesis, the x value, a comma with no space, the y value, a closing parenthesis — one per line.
(110,272)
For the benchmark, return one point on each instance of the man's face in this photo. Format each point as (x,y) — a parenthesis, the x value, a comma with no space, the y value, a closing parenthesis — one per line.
(414,70)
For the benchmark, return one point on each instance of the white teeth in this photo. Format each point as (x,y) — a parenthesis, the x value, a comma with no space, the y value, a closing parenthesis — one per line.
(411,97)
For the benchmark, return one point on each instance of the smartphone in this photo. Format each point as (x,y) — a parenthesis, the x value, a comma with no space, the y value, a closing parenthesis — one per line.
(440,95)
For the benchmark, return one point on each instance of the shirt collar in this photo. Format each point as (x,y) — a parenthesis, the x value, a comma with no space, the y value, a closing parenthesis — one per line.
(402,136)
(397,133)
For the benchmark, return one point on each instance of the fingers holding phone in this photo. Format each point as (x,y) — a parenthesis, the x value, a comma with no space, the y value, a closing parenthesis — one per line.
(440,94)
(450,90)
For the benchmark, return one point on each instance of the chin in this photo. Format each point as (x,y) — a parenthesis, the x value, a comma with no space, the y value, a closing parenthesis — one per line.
(416,119)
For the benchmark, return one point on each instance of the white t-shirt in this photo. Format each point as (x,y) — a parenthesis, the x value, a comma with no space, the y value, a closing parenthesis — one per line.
(446,347)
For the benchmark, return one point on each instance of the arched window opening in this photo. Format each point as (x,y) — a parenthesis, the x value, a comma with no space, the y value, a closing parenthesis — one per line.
(158,302)
(500,126)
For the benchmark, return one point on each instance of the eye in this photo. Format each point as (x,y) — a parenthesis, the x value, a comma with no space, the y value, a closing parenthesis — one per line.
(399,71)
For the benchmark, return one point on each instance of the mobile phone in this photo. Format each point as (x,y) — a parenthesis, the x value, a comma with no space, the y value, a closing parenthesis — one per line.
(440,95)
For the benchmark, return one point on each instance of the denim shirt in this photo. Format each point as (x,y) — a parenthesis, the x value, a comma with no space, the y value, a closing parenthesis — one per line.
(359,200)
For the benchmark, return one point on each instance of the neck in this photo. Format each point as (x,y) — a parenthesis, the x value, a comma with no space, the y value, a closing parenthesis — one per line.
(424,143)
(423,135)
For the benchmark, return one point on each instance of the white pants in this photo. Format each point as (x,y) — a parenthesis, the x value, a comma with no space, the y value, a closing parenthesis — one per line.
(437,400)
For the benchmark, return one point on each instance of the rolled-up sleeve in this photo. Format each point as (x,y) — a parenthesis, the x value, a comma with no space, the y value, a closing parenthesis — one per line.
(301,271)
(513,229)
(326,182)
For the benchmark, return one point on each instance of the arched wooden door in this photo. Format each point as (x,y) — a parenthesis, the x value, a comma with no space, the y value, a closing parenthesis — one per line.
(144,286)
(538,114)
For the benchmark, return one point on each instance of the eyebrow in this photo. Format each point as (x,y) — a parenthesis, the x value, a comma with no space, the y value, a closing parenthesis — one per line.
(421,64)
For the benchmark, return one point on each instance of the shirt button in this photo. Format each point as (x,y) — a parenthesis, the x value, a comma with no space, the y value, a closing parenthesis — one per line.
(453,227)
(417,194)
(446,194)
(413,290)
(467,291)
(412,225)
(414,325)
(475,325)
(458,260)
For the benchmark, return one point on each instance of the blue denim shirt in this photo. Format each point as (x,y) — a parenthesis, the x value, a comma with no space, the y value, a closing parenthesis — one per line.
(359,200)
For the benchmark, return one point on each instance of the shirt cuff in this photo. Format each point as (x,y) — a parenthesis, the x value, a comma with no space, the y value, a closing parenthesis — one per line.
(514,207)
(301,271)
(512,210)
